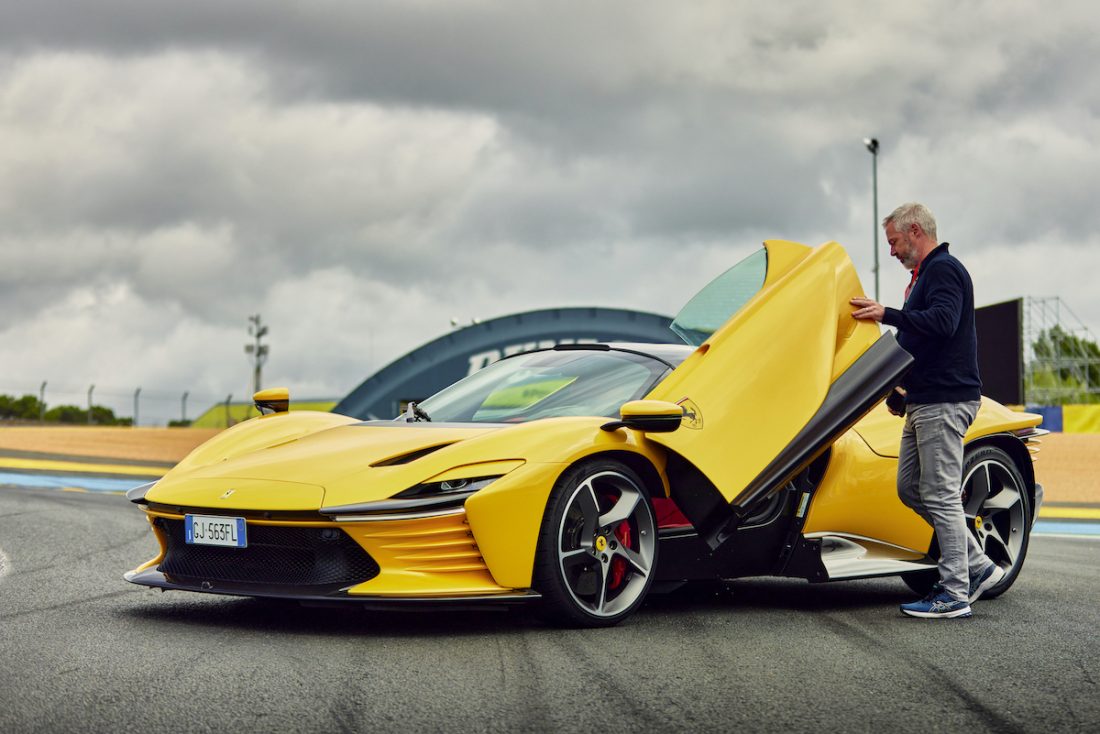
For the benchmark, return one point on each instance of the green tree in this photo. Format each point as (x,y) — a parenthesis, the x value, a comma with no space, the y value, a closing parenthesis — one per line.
(101,416)
(1066,368)
(66,414)
(27,407)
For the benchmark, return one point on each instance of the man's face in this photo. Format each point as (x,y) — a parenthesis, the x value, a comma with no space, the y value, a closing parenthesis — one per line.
(901,247)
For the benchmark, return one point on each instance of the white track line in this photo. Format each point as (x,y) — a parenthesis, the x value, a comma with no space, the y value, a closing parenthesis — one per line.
(5,564)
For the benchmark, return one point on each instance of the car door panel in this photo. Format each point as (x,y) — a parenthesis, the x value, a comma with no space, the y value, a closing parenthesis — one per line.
(766,386)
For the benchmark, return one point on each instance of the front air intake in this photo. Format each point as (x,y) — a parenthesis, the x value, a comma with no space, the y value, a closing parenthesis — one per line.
(295,559)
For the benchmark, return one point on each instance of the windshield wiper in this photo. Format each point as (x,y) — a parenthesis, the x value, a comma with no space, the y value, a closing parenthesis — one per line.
(414,413)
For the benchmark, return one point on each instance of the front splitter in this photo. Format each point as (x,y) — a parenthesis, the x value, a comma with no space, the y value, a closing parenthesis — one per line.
(336,597)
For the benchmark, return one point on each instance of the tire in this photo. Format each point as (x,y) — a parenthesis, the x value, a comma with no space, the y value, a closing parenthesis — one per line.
(597,548)
(998,513)
(921,582)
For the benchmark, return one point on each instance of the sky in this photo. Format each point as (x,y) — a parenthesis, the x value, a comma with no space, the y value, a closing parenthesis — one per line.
(360,173)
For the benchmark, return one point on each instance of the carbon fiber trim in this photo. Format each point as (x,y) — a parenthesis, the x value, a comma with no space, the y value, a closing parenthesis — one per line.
(156,579)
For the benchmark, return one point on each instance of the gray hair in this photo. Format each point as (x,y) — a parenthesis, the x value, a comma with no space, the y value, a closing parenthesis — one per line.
(912,213)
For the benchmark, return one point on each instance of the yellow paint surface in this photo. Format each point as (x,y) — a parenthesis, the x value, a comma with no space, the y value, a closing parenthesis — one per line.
(761,376)
(82,467)
(1069,513)
(1081,418)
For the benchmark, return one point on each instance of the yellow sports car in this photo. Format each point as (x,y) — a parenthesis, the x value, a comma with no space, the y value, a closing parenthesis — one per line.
(582,477)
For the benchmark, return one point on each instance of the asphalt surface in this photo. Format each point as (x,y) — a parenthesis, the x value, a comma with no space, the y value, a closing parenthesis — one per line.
(82,650)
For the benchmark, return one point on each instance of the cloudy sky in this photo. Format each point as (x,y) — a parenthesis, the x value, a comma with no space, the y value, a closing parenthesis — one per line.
(361,172)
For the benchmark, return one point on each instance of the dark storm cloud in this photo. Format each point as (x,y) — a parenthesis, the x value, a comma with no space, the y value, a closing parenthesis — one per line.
(664,89)
(603,83)
(361,172)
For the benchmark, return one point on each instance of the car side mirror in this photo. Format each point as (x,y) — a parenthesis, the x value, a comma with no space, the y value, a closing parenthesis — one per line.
(651,416)
(272,400)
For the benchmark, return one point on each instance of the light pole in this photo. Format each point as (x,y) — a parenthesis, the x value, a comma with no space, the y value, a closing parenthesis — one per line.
(90,389)
(872,145)
(137,394)
(183,408)
(257,350)
(42,402)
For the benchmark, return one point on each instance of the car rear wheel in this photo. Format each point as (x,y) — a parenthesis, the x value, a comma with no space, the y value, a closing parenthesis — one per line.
(597,548)
(998,513)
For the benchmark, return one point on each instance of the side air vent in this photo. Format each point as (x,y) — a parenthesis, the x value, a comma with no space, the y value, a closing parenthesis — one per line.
(411,456)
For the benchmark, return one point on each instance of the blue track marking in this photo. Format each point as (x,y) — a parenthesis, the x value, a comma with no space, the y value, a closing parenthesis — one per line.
(91,484)
(1050,527)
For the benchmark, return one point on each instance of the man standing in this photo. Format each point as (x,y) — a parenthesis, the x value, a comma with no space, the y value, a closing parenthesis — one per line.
(941,397)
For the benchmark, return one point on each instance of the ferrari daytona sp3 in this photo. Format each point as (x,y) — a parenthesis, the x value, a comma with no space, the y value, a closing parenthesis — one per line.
(583,477)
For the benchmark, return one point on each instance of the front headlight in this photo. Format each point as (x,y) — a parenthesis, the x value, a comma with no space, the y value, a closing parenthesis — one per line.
(441,494)
(423,500)
(450,487)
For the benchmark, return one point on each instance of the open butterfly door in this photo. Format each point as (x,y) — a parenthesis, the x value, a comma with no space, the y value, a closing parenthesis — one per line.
(781,370)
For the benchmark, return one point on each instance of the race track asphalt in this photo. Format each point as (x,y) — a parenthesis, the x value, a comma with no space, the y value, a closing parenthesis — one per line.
(82,650)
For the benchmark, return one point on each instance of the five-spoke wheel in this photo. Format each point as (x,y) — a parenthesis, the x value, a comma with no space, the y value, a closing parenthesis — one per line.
(998,511)
(598,546)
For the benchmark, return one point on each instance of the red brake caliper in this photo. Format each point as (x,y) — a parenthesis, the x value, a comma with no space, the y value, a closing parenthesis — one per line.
(618,564)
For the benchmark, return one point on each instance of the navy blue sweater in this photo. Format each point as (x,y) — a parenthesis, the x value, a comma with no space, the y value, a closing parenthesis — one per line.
(936,326)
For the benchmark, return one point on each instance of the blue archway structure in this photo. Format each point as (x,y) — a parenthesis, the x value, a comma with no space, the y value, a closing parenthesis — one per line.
(427,370)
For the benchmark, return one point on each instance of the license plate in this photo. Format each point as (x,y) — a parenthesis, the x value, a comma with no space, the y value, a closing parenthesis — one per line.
(212,530)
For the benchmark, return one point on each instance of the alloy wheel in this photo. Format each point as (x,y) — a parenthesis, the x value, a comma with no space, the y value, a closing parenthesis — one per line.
(606,543)
(996,511)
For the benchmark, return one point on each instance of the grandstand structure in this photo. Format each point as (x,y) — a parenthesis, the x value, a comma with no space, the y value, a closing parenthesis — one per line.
(1061,357)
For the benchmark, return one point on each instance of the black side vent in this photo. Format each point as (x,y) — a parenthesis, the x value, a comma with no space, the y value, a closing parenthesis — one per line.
(411,456)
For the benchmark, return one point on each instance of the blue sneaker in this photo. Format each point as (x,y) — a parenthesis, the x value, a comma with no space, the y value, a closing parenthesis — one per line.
(938,605)
(985,581)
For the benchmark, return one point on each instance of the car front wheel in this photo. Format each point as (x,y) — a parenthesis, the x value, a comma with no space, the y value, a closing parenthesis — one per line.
(597,548)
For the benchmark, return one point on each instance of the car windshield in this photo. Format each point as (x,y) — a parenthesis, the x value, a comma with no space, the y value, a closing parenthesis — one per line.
(548,384)
(721,298)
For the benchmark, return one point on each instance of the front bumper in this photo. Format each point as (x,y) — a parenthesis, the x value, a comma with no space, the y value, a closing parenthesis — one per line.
(319,558)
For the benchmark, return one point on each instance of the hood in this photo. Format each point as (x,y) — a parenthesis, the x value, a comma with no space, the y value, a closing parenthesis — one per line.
(368,461)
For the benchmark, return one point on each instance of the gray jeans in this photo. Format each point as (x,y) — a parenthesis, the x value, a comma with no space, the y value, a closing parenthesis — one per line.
(930,482)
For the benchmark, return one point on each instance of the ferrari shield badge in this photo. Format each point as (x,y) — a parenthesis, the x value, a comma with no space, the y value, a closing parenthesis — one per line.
(692,417)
